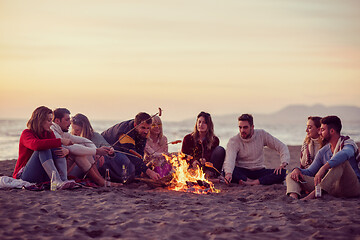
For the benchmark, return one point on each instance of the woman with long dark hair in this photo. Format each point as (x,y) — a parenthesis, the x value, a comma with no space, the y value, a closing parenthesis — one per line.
(203,146)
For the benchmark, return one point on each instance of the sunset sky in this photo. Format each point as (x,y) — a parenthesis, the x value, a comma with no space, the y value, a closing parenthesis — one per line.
(112,59)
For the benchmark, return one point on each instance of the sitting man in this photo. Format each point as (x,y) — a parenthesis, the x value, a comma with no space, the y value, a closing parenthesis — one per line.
(130,137)
(244,161)
(82,152)
(334,168)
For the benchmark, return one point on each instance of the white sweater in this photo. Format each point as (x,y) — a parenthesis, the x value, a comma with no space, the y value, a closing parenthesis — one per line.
(249,153)
(81,147)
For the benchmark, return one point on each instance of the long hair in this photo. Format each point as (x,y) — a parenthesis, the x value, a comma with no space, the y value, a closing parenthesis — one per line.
(317,123)
(37,119)
(157,121)
(210,137)
(82,121)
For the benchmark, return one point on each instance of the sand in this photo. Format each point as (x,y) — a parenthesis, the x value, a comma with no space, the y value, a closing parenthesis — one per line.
(138,212)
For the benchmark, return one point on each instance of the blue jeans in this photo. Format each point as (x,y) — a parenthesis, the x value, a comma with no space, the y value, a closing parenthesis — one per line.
(114,164)
(34,171)
(265,176)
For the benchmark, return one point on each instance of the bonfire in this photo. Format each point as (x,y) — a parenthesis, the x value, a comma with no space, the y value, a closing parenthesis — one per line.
(186,179)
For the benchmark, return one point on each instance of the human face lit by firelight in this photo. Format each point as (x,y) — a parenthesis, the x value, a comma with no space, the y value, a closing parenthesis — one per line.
(143,129)
(201,125)
(246,131)
(311,130)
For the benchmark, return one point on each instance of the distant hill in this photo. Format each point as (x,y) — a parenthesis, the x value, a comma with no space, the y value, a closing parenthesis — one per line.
(298,114)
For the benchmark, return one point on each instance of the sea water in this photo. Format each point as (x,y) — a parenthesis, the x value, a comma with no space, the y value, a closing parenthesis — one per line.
(290,134)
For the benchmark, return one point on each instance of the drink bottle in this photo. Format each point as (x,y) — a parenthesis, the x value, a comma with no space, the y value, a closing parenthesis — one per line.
(318,191)
(124,174)
(53,182)
(107,178)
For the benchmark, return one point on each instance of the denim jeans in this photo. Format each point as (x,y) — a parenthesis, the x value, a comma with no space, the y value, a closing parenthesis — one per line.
(34,171)
(265,176)
(114,164)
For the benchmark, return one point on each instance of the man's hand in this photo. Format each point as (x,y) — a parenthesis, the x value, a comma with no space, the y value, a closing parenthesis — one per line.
(283,165)
(111,151)
(66,141)
(228,177)
(62,152)
(320,174)
(102,151)
(296,175)
(153,175)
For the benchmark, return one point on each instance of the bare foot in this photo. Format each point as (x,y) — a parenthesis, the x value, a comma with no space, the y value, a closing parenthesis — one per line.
(252,182)
(310,196)
(294,195)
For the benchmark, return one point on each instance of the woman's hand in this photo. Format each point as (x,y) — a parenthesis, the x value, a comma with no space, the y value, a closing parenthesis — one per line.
(100,160)
(196,164)
(153,175)
(202,161)
(61,152)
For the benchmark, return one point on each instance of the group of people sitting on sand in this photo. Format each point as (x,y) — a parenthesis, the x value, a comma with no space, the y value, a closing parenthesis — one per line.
(329,161)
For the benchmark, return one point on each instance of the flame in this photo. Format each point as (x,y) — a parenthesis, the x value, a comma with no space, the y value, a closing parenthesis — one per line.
(186,179)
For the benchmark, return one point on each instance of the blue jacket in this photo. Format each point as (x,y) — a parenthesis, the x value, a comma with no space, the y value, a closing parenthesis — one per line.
(325,155)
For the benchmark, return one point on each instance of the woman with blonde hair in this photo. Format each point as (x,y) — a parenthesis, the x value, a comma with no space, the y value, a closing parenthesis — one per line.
(203,145)
(312,143)
(40,152)
(156,146)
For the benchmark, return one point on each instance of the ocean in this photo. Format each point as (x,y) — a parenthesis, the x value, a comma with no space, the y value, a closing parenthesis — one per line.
(290,134)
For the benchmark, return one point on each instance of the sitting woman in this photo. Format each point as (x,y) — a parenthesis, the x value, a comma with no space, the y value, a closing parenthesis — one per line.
(203,145)
(312,144)
(156,146)
(40,152)
(120,168)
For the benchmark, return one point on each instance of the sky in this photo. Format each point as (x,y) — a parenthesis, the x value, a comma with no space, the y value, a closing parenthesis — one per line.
(112,59)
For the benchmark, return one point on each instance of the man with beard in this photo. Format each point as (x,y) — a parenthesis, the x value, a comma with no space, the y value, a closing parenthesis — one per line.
(244,161)
(334,169)
(81,153)
(130,137)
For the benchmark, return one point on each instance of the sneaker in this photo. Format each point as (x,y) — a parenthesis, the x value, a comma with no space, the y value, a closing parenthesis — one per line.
(68,184)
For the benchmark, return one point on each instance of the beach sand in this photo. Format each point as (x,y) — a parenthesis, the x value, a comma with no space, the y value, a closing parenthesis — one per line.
(138,212)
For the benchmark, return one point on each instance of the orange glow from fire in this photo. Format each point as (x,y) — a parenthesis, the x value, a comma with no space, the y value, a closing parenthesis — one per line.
(188,180)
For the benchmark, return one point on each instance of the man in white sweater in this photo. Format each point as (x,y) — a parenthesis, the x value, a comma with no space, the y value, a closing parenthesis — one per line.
(244,161)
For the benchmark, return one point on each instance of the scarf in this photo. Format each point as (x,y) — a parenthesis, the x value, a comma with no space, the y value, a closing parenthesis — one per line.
(346,140)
